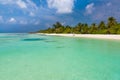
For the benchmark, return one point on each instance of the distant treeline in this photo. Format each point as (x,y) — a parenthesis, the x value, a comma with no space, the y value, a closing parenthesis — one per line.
(112,27)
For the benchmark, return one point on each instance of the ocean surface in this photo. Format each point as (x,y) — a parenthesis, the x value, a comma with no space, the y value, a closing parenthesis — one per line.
(40,57)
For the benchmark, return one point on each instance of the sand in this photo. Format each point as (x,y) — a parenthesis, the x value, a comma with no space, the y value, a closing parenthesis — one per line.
(97,36)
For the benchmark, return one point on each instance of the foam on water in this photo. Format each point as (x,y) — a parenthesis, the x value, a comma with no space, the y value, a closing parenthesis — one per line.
(58,58)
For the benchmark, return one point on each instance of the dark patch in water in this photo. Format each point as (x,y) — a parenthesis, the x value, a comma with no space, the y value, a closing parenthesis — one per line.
(50,41)
(60,47)
(34,39)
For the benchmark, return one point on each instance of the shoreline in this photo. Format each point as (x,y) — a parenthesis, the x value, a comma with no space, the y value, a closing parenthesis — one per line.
(94,36)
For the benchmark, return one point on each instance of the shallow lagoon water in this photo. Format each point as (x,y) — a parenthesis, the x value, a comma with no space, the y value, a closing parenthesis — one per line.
(39,57)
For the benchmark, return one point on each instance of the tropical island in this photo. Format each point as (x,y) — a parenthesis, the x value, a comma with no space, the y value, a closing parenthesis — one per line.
(60,40)
(111,27)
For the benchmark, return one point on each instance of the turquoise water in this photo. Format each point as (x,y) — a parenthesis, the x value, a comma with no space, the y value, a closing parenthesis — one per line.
(39,57)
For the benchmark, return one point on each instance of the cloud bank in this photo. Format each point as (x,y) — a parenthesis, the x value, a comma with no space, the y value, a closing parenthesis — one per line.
(62,6)
(90,8)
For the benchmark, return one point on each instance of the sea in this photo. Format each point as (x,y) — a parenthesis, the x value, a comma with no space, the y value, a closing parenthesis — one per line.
(26,56)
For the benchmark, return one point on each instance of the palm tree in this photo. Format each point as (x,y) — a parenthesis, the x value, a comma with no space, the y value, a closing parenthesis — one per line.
(111,22)
(57,25)
(84,29)
(101,25)
(78,28)
(93,28)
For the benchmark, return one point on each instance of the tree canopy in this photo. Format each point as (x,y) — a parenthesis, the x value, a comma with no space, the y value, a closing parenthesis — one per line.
(111,27)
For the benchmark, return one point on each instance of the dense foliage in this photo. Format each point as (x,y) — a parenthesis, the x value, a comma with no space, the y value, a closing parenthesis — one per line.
(112,27)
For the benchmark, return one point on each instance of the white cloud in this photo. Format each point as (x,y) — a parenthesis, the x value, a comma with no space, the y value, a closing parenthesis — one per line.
(37,23)
(32,14)
(109,4)
(89,8)
(12,20)
(7,2)
(1,19)
(21,4)
(62,6)
(27,5)
(31,5)
(23,22)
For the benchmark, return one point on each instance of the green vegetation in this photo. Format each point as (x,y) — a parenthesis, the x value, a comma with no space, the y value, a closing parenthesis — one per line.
(112,27)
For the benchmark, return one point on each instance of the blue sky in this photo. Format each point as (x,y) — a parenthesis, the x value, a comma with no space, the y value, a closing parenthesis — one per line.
(32,15)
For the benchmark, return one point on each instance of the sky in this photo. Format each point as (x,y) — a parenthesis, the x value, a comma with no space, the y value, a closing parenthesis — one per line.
(33,15)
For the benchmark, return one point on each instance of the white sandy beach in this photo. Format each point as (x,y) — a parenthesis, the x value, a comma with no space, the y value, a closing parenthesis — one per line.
(97,36)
